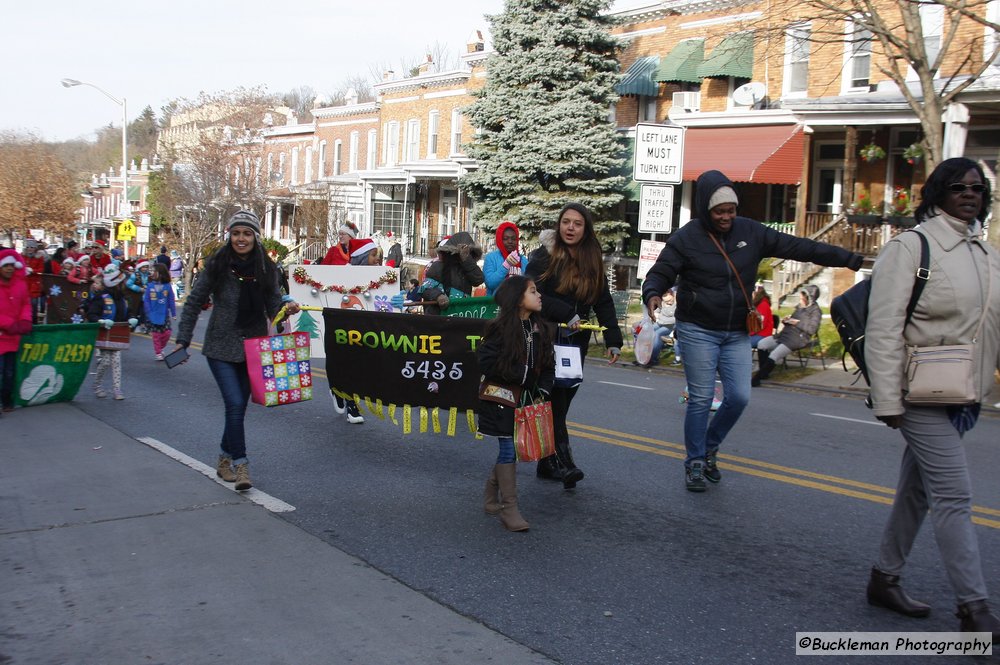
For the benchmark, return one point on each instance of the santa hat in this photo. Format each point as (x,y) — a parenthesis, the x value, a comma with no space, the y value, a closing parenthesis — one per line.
(142,264)
(349,228)
(9,259)
(85,257)
(69,261)
(101,244)
(362,246)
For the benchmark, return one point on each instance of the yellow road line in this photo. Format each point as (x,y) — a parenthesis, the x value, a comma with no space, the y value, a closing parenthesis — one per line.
(664,448)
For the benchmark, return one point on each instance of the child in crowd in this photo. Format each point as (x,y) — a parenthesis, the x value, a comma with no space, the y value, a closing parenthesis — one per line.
(15,320)
(82,271)
(137,281)
(158,303)
(517,354)
(107,303)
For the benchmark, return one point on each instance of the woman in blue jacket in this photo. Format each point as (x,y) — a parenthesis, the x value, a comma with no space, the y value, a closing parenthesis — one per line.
(712,309)
(505,260)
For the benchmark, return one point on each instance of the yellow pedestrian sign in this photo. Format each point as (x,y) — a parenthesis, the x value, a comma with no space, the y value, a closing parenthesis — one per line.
(126,230)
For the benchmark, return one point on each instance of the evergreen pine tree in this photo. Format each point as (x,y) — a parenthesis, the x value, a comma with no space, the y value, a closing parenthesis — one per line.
(544,134)
(307,324)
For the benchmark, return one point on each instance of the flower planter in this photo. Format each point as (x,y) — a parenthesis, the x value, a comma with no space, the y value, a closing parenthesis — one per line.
(904,222)
(865,220)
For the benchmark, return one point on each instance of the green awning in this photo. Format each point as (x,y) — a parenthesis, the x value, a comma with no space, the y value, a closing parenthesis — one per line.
(135,193)
(638,79)
(681,64)
(732,57)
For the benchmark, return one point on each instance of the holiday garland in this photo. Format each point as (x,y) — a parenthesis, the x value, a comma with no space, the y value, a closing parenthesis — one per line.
(302,277)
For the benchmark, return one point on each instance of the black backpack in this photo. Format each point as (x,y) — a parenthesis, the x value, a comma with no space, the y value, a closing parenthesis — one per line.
(849,311)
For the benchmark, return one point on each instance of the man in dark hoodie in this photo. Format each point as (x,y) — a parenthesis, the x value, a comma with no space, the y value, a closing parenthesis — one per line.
(712,309)
(454,274)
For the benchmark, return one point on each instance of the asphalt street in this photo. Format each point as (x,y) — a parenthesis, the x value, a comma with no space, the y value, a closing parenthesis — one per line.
(629,568)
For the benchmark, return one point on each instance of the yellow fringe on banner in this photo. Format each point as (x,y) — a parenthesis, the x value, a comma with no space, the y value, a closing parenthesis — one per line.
(470,416)
(392,415)
(357,398)
(379,410)
(423,420)
(436,421)
(369,405)
(407,419)
(452,420)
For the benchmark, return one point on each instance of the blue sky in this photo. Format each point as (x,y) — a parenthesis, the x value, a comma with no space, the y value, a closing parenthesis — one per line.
(152,53)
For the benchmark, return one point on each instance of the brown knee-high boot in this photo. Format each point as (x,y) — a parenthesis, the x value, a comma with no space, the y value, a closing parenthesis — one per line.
(509,515)
(491,495)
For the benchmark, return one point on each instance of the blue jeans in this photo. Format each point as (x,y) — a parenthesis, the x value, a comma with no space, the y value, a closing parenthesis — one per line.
(506,454)
(658,343)
(8,361)
(234,384)
(707,353)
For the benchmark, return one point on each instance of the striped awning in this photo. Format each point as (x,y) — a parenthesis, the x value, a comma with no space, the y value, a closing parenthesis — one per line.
(732,57)
(681,64)
(638,78)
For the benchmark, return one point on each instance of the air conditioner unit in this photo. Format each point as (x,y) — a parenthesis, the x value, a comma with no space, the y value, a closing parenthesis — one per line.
(688,101)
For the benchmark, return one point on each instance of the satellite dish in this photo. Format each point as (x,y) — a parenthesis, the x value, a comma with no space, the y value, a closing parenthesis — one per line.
(749,94)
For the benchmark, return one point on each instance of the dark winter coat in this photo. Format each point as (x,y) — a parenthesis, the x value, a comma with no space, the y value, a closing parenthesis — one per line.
(709,295)
(455,273)
(107,305)
(496,419)
(809,317)
(561,308)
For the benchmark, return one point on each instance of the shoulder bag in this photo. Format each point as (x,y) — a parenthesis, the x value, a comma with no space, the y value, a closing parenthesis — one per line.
(755,320)
(944,375)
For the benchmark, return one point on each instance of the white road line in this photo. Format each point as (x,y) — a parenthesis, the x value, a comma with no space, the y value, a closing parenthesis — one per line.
(853,420)
(260,498)
(626,385)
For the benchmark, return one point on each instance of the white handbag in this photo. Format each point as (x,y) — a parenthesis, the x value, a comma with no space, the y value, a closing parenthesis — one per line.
(569,365)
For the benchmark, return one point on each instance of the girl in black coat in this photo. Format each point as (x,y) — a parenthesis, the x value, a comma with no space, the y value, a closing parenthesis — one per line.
(516,352)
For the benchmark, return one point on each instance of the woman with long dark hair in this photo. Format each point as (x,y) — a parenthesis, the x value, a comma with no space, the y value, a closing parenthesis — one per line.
(569,271)
(960,304)
(243,283)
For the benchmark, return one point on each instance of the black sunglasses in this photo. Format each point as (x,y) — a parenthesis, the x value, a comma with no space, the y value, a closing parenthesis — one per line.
(959,187)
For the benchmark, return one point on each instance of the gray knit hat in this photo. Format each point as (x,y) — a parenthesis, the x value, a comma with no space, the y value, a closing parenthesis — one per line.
(724,194)
(244,218)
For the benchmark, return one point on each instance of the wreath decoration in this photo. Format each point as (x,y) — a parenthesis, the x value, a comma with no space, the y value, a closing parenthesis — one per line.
(302,277)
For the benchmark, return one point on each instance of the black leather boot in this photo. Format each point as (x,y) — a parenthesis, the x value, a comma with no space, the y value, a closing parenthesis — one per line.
(571,473)
(766,366)
(762,358)
(977,618)
(549,468)
(884,591)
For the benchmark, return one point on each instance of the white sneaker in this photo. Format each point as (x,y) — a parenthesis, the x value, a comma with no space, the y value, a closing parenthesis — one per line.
(159,356)
(339,403)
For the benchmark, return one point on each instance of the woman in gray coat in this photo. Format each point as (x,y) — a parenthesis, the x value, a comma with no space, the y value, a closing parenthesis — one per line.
(796,331)
(244,285)
(964,282)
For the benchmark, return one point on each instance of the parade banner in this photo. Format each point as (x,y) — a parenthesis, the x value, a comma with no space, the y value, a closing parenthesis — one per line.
(481,307)
(64,299)
(52,363)
(367,288)
(409,368)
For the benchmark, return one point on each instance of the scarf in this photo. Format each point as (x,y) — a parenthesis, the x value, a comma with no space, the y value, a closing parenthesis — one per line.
(250,309)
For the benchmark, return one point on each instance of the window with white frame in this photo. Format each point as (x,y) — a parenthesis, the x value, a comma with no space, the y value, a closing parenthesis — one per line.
(309,165)
(433,120)
(352,159)
(796,79)
(456,132)
(372,149)
(292,177)
(412,140)
(281,168)
(321,170)
(338,157)
(857,58)
(392,144)
(270,167)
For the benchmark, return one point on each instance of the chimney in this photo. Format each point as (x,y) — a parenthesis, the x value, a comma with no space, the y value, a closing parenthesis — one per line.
(388,75)
(351,97)
(476,42)
(426,65)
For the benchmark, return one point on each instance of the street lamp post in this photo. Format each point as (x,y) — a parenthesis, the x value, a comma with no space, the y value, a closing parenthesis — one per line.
(125,210)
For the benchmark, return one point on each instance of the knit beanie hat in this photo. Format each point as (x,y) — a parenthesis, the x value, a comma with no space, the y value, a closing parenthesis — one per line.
(244,218)
(112,275)
(349,228)
(724,194)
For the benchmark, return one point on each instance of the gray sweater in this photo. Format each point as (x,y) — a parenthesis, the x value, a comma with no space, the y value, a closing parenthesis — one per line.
(223,340)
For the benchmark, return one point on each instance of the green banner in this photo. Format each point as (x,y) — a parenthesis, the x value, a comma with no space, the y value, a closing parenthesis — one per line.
(482,307)
(52,362)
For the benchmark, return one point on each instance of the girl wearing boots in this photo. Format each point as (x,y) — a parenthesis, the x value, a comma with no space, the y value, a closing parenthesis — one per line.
(107,303)
(516,351)
(569,271)
(244,285)
(158,303)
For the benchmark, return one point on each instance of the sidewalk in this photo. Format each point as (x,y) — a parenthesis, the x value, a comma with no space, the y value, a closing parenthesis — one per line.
(115,553)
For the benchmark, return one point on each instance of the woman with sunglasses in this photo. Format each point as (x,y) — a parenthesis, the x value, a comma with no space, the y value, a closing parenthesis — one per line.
(964,283)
